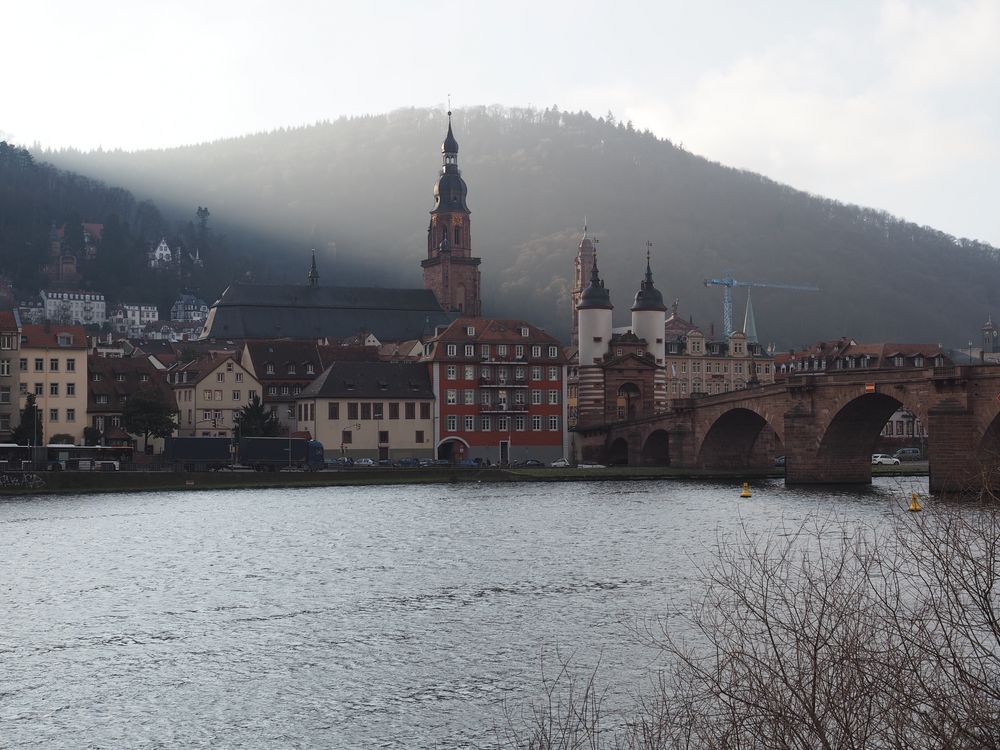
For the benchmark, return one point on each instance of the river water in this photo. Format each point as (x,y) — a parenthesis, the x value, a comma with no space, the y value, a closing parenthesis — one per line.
(372,617)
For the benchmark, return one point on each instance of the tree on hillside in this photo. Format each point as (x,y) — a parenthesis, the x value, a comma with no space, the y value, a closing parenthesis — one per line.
(29,431)
(147,413)
(255,420)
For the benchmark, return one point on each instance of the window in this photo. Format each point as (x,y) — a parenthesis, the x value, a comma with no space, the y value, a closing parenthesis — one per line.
(53,415)
(206,415)
(291,369)
(4,367)
(501,350)
(451,423)
(554,423)
(4,422)
(6,341)
(553,397)
(451,396)
(485,373)
(383,436)
(332,410)
(239,377)
(352,411)
(272,390)
(425,410)
(207,395)
(143,377)
(229,366)
(346,437)
(419,436)
(218,395)
(452,350)
(524,331)
(536,397)
(310,370)
(451,372)
(470,372)
(518,373)
(366,410)
(470,396)
(269,368)
(519,423)
(485,424)
(71,415)
(484,351)
(40,390)
(553,352)
(236,396)
(39,364)
(519,397)
(53,365)
(470,330)
(536,373)
(484,398)
(470,350)
(53,389)
(503,424)
(536,423)
(409,410)
(220,377)
(393,410)
(519,351)
(536,350)
(553,373)
(377,410)
(5,394)
(101,398)
(23,363)
(470,423)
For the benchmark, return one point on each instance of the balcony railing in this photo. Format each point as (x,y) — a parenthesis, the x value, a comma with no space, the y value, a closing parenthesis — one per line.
(503,408)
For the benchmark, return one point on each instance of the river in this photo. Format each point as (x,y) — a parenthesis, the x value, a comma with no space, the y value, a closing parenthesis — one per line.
(389,617)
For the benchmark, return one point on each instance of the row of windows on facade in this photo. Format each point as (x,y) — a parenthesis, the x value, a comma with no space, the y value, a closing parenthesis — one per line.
(53,417)
(367,410)
(487,398)
(503,424)
(39,389)
(179,378)
(503,373)
(850,363)
(347,437)
(502,350)
(39,365)
(290,369)
(718,368)
(208,394)
(908,427)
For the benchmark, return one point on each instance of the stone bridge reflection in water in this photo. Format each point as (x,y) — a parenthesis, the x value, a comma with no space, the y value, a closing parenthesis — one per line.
(396,617)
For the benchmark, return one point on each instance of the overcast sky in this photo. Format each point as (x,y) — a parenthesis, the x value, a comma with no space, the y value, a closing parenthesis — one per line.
(892,104)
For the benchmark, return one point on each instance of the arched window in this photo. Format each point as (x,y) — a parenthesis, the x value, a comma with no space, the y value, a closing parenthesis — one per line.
(458,236)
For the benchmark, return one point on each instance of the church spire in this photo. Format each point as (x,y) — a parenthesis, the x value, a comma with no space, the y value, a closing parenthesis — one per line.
(749,323)
(313,273)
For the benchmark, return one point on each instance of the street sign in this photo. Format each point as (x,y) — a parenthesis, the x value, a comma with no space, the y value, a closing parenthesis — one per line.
(869,388)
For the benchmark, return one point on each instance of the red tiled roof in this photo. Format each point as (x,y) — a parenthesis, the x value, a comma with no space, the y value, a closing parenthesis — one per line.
(7,320)
(47,336)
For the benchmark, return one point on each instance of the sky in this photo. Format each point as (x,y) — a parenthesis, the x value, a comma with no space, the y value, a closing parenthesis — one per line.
(893,104)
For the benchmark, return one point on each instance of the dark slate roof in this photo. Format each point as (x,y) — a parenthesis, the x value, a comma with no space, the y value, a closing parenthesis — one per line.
(372,380)
(255,311)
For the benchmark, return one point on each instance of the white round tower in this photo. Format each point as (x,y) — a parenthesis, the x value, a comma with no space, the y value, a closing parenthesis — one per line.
(594,320)
(649,315)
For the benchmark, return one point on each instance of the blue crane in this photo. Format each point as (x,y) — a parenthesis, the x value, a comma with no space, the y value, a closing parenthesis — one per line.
(727,282)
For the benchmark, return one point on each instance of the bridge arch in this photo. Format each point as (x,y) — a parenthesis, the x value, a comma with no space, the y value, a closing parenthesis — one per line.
(739,438)
(618,452)
(852,431)
(656,449)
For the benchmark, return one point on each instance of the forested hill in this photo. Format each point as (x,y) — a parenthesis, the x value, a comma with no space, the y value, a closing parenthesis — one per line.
(36,196)
(359,190)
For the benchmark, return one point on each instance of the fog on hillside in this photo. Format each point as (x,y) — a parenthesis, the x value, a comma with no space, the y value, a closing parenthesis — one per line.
(359,189)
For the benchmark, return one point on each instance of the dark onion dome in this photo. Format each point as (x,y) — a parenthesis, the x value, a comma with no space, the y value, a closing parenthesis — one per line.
(450,189)
(595,296)
(648,297)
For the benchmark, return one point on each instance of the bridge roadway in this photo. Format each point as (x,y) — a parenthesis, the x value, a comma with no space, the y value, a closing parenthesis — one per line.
(824,423)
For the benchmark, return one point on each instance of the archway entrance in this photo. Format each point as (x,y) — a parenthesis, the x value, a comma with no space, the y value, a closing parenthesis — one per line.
(618,453)
(452,450)
(656,451)
(629,397)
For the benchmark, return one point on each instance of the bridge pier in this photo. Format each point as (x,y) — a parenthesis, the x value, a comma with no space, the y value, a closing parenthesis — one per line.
(838,464)
(952,450)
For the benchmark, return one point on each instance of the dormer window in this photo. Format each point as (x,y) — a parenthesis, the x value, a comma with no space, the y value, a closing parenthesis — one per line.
(269,368)
(470,330)
(65,339)
(291,369)
(452,350)
(310,370)
(524,331)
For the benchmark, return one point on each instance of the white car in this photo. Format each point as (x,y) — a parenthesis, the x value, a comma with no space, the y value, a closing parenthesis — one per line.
(364,462)
(882,458)
(559,463)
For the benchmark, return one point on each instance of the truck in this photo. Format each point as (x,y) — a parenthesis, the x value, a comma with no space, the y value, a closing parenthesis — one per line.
(199,453)
(273,453)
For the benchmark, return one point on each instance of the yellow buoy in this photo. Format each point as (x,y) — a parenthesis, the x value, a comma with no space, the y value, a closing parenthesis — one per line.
(746,490)
(915,506)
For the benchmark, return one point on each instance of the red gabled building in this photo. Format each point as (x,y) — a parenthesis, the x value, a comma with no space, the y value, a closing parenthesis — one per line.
(500,387)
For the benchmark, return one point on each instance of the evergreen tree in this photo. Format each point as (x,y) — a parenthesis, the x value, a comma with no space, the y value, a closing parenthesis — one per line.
(254,420)
(29,431)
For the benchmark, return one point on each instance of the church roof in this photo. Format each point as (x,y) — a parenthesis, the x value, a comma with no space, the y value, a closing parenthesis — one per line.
(399,380)
(259,311)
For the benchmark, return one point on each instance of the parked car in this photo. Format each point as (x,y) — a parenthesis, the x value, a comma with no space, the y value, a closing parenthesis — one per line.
(884,458)
(908,454)
(779,461)
(529,462)
(591,466)
(560,463)
(408,463)
(364,462)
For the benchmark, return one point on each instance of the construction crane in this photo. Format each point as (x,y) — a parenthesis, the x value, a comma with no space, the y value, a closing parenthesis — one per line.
(727,282)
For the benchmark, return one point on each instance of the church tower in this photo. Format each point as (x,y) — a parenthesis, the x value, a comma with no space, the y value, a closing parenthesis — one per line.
(450,270)
(584,263)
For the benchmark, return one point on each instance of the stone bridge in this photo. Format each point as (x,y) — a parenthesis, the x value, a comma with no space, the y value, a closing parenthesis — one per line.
(825,424)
